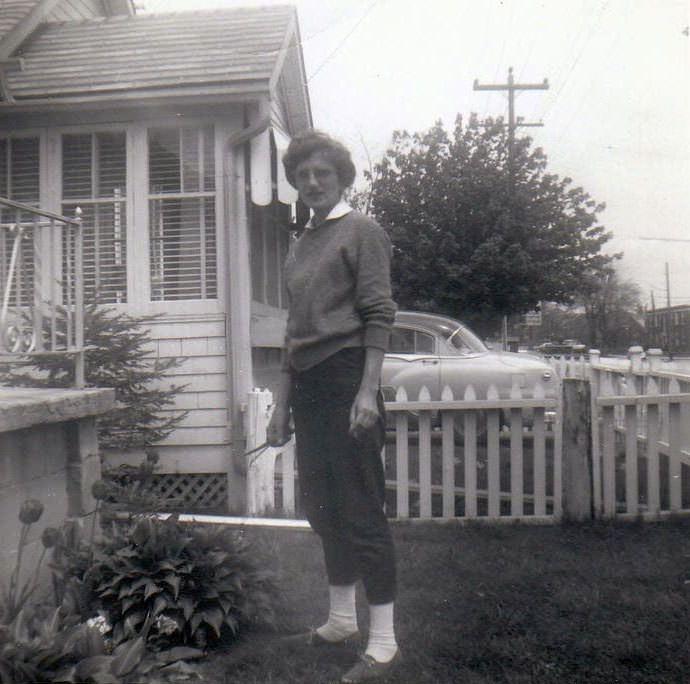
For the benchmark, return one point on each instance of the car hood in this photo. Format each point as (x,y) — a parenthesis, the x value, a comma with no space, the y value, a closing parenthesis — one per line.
(518,362)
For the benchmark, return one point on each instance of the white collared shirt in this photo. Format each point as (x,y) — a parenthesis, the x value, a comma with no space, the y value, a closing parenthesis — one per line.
(338,210)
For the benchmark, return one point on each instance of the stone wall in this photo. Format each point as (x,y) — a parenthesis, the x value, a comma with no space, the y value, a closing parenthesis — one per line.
(48,451)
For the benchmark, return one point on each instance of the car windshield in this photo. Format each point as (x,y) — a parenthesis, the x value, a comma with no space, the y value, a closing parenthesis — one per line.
(414,326)
(465,341)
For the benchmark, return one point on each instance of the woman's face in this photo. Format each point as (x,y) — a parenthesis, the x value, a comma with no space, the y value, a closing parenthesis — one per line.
(318,184)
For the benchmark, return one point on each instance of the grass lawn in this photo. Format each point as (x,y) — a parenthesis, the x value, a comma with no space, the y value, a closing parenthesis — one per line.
(513,604)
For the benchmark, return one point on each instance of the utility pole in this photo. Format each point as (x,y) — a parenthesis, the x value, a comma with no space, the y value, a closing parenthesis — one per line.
(669,315)
(513,123)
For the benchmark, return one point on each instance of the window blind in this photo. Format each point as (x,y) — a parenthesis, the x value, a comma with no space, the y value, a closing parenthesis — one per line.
(182,220)
(19,181)
(94,178)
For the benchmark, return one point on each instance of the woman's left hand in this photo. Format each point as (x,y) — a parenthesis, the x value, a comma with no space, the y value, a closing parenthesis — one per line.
(364,413)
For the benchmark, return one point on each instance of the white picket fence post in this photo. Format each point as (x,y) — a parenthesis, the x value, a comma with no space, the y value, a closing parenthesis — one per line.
(260,464)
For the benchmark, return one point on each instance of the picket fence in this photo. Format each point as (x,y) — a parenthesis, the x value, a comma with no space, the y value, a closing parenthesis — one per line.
(486,458)
(640,447)
(502,459)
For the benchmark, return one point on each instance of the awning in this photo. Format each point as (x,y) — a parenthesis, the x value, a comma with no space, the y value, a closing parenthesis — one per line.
(261,172)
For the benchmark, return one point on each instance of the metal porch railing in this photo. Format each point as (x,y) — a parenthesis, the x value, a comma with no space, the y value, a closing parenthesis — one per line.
(41,285)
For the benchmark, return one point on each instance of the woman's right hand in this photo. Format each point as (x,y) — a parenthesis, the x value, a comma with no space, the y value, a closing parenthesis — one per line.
(278,431)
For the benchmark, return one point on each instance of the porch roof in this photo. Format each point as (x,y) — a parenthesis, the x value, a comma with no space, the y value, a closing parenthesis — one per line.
(202,53)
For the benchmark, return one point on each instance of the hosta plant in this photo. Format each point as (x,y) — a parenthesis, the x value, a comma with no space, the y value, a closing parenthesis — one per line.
(45,646)
(197,585)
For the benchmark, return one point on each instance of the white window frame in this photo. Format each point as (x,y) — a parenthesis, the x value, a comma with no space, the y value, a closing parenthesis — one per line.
(137,207)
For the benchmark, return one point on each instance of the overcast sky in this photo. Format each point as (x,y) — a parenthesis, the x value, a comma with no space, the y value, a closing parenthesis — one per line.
(616,115)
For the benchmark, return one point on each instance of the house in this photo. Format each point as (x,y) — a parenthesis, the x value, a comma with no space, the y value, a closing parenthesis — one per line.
(166,131)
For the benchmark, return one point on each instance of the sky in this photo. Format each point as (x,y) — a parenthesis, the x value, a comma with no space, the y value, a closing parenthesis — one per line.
(616,116)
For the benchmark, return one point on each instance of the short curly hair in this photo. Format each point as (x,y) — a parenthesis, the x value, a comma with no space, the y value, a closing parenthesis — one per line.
(304,144)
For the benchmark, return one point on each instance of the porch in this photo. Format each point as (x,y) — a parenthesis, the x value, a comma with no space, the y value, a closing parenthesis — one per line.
(48,442)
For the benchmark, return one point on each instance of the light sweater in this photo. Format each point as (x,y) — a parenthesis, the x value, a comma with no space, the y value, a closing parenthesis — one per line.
(338,281)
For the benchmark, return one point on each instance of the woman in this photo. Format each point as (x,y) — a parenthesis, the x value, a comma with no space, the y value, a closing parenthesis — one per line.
(340,314)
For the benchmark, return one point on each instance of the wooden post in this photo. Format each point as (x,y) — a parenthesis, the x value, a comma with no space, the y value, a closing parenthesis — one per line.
(654,356)
(577,450)
(635,356)
(260,464)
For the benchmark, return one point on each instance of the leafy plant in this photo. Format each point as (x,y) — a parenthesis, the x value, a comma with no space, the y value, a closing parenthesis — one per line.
(64,642)
(198,585)
(50,647)
(130,488)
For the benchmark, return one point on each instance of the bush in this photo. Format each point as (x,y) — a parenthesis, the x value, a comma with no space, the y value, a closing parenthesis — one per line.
(197,585)
(133,606)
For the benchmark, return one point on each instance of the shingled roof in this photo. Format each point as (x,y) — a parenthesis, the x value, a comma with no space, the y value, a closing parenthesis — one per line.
(18,18)
(12,12)
(202,53)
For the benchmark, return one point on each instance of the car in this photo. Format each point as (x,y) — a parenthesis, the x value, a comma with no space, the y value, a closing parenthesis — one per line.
(433,351)
(564,348)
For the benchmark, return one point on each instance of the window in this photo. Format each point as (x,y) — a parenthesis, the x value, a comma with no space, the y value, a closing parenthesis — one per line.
(407,341)
(94,178)
(19,181)
(270,239)
(182,216)
(19,169)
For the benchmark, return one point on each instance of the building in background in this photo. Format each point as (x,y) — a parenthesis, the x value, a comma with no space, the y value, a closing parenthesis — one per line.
(668,329)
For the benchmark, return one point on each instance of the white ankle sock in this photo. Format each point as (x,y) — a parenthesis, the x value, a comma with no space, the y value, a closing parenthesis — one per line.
(342,614)
(382,645)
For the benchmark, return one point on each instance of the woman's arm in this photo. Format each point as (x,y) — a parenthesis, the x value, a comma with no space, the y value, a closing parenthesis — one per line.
(364,412)
(278,431)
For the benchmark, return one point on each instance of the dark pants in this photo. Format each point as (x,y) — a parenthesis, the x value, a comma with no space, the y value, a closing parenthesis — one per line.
(342,480)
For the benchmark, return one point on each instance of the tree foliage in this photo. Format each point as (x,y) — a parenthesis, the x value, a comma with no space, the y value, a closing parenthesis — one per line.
(469,241)
(119,356)
(613,308)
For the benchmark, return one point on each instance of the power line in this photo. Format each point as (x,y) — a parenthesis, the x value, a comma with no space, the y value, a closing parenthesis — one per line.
(343,41)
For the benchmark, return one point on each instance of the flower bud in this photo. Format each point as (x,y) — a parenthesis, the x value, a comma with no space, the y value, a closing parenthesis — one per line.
(152,456)
(30,512)
(50,537)
(99,490)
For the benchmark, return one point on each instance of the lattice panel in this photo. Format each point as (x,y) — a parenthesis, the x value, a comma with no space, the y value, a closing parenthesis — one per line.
(192,490)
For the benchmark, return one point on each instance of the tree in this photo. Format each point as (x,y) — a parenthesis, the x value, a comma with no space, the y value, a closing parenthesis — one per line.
(471,242)
(612,308)
(118,356)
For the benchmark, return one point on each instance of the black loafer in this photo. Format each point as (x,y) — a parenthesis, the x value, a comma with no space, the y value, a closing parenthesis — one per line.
(314,639)
(368,669)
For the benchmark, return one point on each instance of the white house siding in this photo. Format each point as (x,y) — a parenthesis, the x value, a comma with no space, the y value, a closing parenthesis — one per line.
(200,443)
